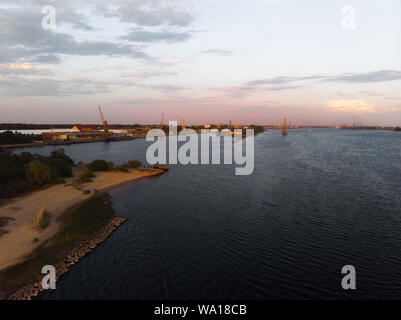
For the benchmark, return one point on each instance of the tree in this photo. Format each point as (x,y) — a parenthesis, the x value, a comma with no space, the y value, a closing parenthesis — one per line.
(38,173)
(134,164)
(98,165)
(60,154)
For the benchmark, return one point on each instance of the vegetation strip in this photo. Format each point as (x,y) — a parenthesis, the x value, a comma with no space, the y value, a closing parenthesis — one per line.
(72,257)
(86,227)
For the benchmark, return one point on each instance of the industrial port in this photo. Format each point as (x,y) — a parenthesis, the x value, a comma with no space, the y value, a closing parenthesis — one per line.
(88,133)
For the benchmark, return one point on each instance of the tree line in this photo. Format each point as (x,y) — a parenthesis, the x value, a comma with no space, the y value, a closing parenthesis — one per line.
(27,171)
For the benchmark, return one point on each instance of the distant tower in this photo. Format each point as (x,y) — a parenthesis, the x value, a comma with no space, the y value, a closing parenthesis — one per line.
(284,132)
(182,124)
(162,122)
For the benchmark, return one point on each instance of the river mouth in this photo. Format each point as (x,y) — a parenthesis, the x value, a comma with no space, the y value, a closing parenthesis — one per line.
(317,201)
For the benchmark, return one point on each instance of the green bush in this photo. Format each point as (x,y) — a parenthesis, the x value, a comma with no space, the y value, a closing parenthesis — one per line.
(38,173)
(121,168)
(86,176)
(111,166)
(134,164)
(14,188)
(60,154)
(4,221)
(60,168)
(9,137)
(18,175)
(98,165)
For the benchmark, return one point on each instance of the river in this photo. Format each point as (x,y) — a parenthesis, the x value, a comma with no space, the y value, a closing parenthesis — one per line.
(317,200)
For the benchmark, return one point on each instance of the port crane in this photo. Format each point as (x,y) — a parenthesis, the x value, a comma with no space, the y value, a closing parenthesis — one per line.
(104,122)
(182,124)
(284,132)
(162,122)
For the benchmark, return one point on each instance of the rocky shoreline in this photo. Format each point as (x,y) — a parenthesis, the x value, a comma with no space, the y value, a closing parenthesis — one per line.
(72,257)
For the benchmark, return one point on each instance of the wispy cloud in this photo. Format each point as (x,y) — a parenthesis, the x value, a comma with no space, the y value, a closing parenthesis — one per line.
(350,106)
(283,80)
(369,77)
(22,69)
(146,13)
(220,52)
(140,35)
(375,76)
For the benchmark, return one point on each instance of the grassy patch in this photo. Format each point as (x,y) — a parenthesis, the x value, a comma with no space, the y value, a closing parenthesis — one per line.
(4,222)
(81,224)
(2,232)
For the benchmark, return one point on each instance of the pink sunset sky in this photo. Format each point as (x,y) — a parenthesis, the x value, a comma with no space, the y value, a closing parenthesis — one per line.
(206,61)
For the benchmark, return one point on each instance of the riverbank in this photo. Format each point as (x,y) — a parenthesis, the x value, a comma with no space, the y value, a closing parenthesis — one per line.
(87,225)
(21,238)
(72,257)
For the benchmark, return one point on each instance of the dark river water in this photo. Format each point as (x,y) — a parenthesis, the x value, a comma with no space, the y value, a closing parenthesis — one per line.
(316,201)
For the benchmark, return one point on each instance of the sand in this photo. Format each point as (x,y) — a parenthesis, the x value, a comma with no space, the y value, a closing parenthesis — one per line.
(19,241)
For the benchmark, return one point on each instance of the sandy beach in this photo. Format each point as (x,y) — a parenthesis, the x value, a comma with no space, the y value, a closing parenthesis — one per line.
(19,242)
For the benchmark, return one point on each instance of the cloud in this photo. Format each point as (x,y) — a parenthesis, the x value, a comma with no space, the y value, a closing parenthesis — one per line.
(22,69)
(220,52)
(159,87)
(78,21)
(146,13)
(350,106)
(284,88)
(139,35)
(16,86)
(283,80)
(375,76)
(22,37)
(47,59)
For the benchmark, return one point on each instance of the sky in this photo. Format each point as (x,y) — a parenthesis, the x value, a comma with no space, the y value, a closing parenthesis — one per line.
(204,61)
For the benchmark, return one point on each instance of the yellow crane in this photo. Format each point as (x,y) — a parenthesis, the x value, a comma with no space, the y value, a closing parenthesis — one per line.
(182,124)
(284,132)
(162,122)
(104,122)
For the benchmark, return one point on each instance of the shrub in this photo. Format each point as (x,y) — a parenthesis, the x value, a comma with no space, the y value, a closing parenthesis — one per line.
(134,164)
(111,166)
(38,173)
(98,165)
(4,221)
(121,168)
(14,187)
(60,154)
(20,173)
(85,176)
(60,168)
(42,219)
(9,137)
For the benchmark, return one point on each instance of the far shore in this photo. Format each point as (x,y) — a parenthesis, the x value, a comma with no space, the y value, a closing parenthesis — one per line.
(22,238)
